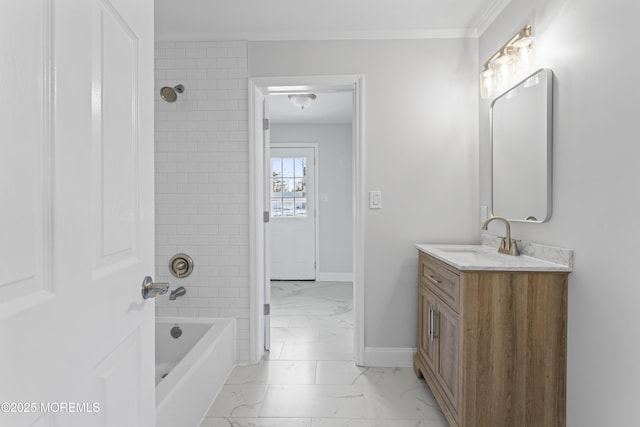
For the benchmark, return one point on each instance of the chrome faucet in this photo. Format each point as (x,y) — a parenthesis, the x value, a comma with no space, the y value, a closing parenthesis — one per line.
(177,292)
(151,289)
(507,244)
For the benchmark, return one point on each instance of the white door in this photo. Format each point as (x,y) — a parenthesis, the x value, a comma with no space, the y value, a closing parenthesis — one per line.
(293,226)
(76,216)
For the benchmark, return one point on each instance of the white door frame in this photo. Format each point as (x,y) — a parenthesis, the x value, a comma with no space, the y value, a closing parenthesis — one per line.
(259,87)
(316,193)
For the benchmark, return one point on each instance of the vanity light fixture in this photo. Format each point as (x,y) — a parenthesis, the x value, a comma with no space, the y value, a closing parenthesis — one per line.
(302,100)
(513,60)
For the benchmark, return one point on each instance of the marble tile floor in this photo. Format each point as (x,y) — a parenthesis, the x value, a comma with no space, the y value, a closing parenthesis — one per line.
(309,379)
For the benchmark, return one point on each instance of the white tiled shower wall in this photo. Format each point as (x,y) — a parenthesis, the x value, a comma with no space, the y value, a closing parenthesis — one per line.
(202,189)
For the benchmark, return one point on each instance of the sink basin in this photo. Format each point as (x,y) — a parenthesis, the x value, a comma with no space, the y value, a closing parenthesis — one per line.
(470,254)
(468,250)
(461,250)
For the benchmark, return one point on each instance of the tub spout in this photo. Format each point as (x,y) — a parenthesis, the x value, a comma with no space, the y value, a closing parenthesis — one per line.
(178,292)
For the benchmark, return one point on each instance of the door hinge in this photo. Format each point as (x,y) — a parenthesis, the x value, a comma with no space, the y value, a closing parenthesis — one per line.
(266,217)
(267,309)
(265,124)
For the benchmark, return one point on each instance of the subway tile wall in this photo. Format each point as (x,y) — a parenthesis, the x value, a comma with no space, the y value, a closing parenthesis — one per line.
(202,180)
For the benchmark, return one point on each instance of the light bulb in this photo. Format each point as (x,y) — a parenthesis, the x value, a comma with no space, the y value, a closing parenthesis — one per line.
(504,68)
(487,83)
(526,52)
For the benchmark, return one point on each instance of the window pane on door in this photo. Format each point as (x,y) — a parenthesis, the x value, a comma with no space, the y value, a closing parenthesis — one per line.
(287,167)
(287,207)
(288,187)
(276,167)
(276,207)
(301,166)
(301,207)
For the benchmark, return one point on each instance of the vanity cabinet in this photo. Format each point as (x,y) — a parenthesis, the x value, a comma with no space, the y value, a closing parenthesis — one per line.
(492,344)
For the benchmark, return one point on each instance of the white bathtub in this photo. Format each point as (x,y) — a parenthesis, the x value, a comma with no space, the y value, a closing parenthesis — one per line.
(194,366)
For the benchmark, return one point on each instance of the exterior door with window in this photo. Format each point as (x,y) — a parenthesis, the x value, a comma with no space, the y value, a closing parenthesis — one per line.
(293,218)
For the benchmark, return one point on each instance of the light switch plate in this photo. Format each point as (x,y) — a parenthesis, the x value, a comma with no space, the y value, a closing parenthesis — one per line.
(375,199)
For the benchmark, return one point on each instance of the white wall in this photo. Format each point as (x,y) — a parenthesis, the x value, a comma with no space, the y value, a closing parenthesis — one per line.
(335,241)
(593,48)
(420,149)
(202,192)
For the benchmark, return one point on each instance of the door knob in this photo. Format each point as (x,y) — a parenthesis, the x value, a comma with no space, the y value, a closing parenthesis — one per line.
(151,289)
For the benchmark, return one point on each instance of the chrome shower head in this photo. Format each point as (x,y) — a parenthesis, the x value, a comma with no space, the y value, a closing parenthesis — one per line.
(170,94)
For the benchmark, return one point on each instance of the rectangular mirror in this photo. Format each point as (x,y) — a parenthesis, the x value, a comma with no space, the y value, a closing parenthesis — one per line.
(521,150)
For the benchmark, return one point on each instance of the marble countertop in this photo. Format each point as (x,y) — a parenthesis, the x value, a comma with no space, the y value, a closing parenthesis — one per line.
(478,257)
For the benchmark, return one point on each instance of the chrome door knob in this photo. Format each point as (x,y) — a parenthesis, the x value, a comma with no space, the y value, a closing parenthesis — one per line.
(151,289)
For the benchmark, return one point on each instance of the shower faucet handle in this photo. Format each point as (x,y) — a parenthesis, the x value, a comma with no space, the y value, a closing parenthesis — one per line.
(151,289)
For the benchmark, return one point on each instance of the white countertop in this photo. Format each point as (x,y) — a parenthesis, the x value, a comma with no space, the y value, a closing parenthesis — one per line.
(477,257)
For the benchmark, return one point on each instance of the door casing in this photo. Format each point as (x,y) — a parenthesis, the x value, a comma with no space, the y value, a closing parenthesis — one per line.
(259,88)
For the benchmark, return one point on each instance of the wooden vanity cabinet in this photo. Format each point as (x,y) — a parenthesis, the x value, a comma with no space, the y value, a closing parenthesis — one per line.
(492,344)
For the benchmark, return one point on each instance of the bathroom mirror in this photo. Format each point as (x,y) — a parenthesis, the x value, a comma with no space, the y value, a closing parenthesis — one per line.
(521,148)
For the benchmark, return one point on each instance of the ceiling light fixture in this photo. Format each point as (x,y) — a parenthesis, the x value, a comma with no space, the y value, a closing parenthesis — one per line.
(514,60)
(302,100)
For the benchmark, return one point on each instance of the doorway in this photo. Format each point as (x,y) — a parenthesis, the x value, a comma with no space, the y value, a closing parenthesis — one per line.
(260,229)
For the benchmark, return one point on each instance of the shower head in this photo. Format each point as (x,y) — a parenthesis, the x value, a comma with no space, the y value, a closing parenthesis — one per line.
(170,94)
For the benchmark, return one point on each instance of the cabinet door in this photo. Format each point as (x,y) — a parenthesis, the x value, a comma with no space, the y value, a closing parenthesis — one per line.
(426,340)
(447,332)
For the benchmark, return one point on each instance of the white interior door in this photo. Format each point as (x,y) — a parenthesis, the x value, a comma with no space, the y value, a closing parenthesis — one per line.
(293,213)
(76,217)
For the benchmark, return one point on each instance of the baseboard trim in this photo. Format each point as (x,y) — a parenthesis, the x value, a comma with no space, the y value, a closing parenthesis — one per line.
(334,277)
(388,357)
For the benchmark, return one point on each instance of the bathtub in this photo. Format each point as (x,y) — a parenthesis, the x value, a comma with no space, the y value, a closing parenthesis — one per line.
(191,369)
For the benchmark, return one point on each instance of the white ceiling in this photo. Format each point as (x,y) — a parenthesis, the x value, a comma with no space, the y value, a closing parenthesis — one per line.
(322,19)
(332,107)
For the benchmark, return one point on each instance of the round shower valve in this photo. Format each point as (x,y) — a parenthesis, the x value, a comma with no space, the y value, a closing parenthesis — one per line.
(181,265)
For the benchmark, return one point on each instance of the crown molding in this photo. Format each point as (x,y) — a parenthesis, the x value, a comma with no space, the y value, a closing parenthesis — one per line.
(324,36)
(490,15)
